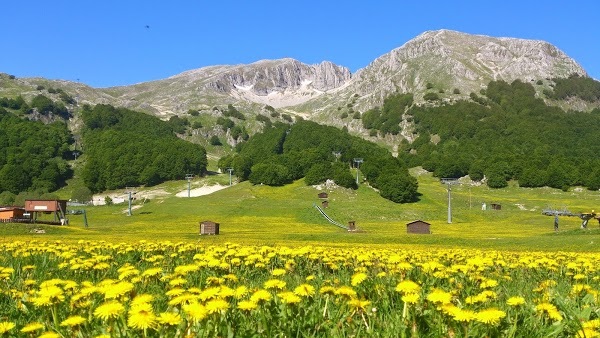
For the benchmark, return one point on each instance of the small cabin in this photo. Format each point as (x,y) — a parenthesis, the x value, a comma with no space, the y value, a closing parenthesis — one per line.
(56,207)
(418,227)
(209,228)
(323,195)
(496,206)
(325,204)
(9,213)
(351,225)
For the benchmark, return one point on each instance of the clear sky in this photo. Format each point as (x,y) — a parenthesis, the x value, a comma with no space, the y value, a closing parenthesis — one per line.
(107,43)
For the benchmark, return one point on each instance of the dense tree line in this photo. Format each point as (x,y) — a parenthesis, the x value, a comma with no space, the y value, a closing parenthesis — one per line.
(510,134)
(584,88)
(32,154)
(387,118)
(128,148)
(284,153)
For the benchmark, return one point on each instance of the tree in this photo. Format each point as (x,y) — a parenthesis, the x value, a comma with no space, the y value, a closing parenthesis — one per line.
(269,174)
(397,187)
(318,173)
(214,140)
(82,195)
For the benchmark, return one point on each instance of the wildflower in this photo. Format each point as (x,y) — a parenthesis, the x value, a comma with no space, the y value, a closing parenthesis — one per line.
(490,316)
(169,318)
(462,315)
(143,298)
(550,310)
(408,286)
(217,305)
(410,298)
(210,293)
(73,321)
(195,311)
(259,295)
(345,291)
(274,284)
(439,297)
(327,290)
(31,327)
(185,298)
(109,310)
(117,290)
(247,305)
(240,291)
(278,272)
(49,335)
(152,272)
(587,333)
(359,305)
(304,290)
(141,317)
(358,278)
(6,326)
(515,301)
(289,297)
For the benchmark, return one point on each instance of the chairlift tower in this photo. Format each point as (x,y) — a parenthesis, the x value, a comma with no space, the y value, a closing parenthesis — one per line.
(189,178)
(358,161)
(337,154)
(230,172)
(129,191)
(449,182)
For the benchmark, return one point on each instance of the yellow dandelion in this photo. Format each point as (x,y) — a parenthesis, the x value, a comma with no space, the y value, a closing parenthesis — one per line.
(31,327)
(217,305)
(550,310)
(240,292)
(195,311)
(210,293)
(278,272)
(169,318)
(289,297)
(185,298)
(142,298)
(408,286)
(49,335)
(109,310)
(490,316)
(73,321)
(6,326)
(327,290)
(358,304)
(515,301)
(358,278)
(226,292)
(261,295)
(462,315)
(141,317)
(345,291)
(152,272)
(587,333)
(117,290)
(177,281)
(274,284)
(410,298)
(304,290)
(247,305)
(439,297)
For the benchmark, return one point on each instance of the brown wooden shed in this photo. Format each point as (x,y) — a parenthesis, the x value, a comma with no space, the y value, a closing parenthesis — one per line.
(322,195)
(325,204)
(418,227)
(58,207)
(496,206)
(209,228)
(8,213)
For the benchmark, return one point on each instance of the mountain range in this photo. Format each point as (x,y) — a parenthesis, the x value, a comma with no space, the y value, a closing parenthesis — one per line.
(453,64)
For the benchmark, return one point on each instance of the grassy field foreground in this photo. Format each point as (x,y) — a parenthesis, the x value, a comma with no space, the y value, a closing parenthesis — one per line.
(286,216)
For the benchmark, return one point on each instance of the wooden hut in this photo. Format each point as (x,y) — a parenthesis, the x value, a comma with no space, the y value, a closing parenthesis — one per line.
(209,228)
(9,213)
(325,204)
(351,225)
(322,195)
(418,227)
(56,207)
(496,206)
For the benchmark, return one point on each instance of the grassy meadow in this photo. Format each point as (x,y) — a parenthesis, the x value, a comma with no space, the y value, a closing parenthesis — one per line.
(286,216)
(279,269)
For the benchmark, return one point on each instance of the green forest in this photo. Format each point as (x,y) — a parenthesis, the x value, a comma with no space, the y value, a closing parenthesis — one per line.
(505,132)
(127,148)
(508,133)
(308,150)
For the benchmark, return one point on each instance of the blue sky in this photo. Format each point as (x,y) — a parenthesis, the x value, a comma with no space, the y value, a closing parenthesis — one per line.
(107,43)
